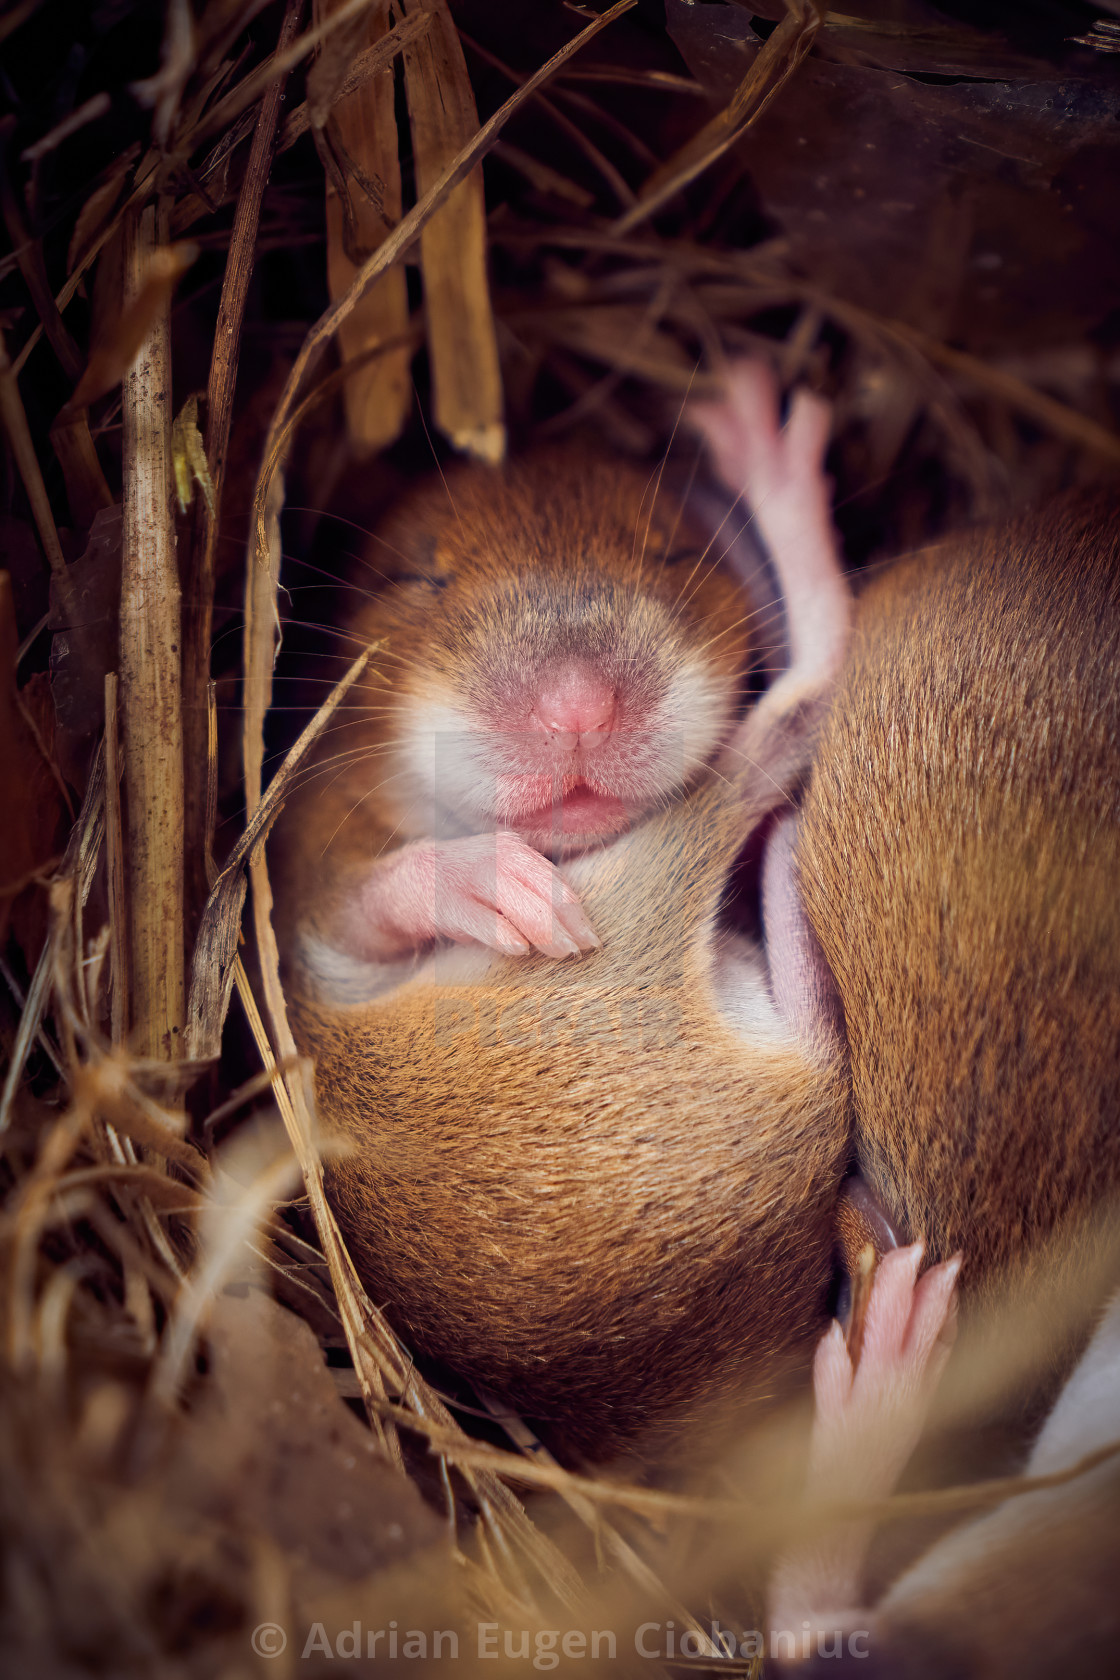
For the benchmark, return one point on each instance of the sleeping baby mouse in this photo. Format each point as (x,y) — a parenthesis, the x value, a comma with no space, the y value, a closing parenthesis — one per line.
(562,652)
(604,1190)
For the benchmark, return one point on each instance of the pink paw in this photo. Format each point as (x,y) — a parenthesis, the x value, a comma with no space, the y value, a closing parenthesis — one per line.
(491,889)
(867,1423)
(753,453)
(780,471)
(868,1419)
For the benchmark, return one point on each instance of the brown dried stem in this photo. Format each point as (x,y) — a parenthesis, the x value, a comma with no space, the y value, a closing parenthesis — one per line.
(27,463)
(198,604)
(150,671)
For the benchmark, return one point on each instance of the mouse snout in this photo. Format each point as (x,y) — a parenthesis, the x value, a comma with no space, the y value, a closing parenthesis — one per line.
(575,705)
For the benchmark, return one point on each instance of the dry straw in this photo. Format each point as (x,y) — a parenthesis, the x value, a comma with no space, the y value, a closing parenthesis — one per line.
(119,1230)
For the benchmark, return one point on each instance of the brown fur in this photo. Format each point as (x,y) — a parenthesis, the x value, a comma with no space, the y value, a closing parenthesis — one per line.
(558,552)
(959,859)
(610,1209)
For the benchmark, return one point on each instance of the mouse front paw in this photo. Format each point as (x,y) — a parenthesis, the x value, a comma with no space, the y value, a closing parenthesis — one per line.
(490,889)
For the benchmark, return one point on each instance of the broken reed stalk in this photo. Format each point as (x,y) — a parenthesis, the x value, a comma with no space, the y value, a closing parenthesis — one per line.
(198,606)
(27,463)
(391,251)
(467,397)
(114,860)
(151,718)
(361,126)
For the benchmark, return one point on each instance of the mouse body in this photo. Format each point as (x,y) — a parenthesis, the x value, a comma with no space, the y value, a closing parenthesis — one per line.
(958,857)
(520,1128)
(605,1190)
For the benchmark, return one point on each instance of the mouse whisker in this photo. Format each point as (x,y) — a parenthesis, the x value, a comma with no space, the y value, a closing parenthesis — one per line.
(660,474)
(346,585)
(435,458)
(357,805)
(736,624)
(685,497)
(346,759)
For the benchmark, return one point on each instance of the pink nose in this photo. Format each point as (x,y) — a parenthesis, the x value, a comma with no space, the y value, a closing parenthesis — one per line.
(576,706)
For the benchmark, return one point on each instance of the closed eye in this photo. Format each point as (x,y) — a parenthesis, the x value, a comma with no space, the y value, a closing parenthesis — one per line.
(426,580)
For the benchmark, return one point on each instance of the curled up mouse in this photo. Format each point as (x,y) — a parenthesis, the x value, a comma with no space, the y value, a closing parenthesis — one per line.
(564,650)
(603,1189)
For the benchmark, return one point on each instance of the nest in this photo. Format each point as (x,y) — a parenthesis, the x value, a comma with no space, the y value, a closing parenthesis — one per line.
(283,262)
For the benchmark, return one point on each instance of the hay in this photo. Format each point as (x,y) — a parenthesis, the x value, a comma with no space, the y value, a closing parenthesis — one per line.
(140,1255)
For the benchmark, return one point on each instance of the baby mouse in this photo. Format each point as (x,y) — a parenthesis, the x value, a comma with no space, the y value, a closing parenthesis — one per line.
(606,1190)
(563,652)
(958,856)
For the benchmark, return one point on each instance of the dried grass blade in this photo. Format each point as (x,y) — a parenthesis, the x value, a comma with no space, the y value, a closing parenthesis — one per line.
(170,1194)
(367,65)
(590,1513)
(462,339)
(1055,416)
(78,865)
(150,674)
(216,945)
(625,339)
(775,63)
(198,613)
(377,394)
(603,165)
(114,856)
(14,418)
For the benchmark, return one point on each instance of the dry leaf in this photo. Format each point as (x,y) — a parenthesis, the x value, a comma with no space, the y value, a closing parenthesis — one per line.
(188,457)
(113,355)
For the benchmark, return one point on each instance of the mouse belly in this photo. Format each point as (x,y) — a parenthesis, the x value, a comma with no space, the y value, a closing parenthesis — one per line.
(577,1197)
